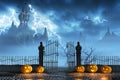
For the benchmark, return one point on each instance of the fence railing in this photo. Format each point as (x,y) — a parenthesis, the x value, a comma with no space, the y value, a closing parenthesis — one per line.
(11,60)
(101,60)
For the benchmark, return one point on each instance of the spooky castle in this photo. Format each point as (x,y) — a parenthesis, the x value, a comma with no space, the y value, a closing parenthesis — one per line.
(22,34)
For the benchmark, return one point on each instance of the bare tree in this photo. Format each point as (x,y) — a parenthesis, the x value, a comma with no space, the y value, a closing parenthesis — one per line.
(89,56)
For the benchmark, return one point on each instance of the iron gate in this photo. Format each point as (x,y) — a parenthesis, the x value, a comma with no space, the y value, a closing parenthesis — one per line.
(52,53)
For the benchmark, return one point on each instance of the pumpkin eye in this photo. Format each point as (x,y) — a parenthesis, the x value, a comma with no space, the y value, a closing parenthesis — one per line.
(25,67)
(91,66)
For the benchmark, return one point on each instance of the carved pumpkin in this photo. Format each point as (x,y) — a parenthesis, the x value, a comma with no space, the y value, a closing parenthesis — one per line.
(80,69)
(106,69)
(92,68)
(40,69)
(26,69)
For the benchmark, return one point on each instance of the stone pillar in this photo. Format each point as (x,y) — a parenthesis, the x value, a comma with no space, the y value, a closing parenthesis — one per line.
(78,54)
(41,52)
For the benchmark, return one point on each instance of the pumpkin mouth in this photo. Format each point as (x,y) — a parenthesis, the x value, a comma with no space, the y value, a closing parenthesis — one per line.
(92,70)
(26,70)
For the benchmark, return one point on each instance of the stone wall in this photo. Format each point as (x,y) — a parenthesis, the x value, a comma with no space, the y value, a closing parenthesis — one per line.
(16,68)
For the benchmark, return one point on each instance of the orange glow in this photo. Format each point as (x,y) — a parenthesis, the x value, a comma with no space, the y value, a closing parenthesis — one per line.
(28,79)
(39,79)
(26,69)
(104,78)
(40,69)
(78,79)
(106,69)
(80,69)
(92,68)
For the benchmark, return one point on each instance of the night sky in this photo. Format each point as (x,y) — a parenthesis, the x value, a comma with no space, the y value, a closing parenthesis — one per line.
(91,17)
(65,19)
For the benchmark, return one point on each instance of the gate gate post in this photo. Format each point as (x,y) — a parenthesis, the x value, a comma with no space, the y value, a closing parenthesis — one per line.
(41,52)
(78,54)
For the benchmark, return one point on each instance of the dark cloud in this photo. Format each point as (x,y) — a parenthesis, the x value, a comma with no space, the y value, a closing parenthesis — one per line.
(84,5)
(90,28)
(78,9)
(67,12)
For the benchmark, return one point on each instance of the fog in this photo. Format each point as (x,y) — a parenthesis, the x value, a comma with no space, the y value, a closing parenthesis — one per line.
(102,49)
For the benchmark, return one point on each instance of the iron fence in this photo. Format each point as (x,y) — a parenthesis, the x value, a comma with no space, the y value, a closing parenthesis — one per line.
(21,60)
(101,60)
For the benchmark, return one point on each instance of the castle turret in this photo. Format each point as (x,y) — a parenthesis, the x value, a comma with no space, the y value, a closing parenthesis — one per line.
(25,33)
(45,35)
(107,35)
(108,32)
(12,23)
(13,29)
(82,38)
(24,16)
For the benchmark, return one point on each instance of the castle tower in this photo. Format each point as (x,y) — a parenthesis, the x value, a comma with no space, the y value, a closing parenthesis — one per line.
(45,34)
(107,35)
(108,32)
(12,29)
(12,23)
(24,17)
(82,38)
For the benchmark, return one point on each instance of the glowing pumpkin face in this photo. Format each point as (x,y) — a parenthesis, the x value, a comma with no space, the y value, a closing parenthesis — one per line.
(92,68)
(106,69)
(80,69)
(40,69)
(26,69)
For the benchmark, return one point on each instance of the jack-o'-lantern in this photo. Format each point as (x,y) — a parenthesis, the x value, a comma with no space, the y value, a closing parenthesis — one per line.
(80,69)
(26,69)
(92,68)
(40,69)
(106,69)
